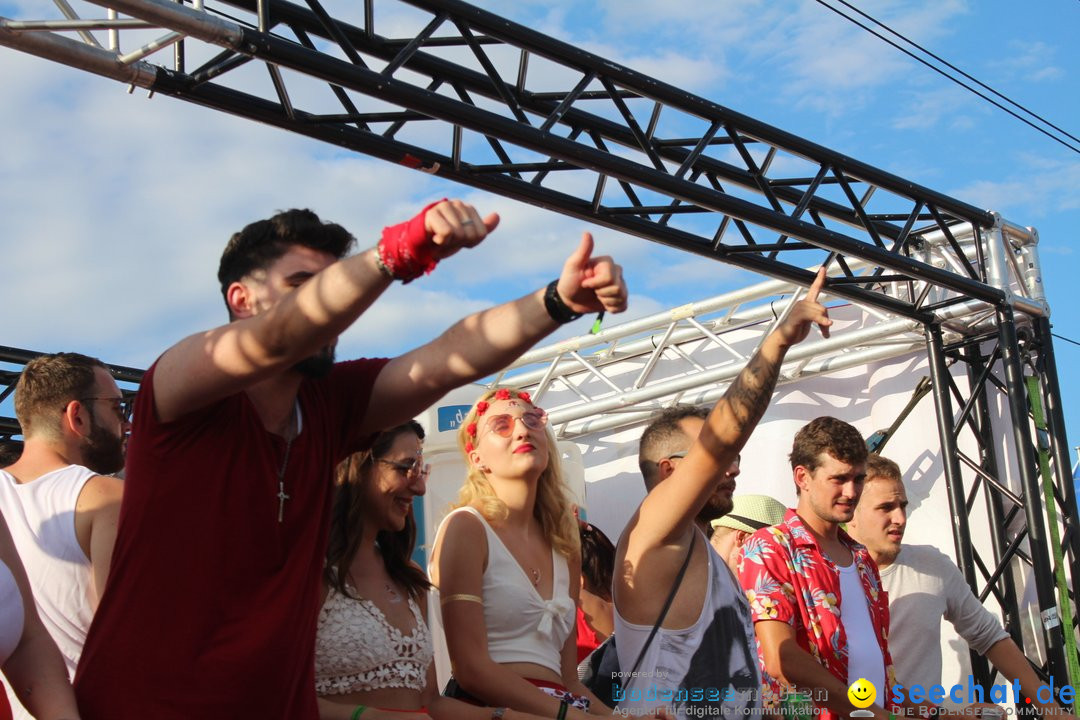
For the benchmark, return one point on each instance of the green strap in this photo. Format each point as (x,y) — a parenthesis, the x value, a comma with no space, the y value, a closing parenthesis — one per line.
(1064,606)
(598,323)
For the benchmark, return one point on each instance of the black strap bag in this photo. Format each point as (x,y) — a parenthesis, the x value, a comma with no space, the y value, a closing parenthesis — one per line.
(600,671)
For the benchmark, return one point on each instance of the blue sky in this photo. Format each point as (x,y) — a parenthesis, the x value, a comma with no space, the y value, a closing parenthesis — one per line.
(115,207)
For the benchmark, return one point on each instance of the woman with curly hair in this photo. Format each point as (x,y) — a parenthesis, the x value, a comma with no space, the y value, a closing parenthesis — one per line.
(507,565)
(373,650)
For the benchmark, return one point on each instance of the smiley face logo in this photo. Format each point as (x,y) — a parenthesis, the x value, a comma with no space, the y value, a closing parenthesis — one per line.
(862,693)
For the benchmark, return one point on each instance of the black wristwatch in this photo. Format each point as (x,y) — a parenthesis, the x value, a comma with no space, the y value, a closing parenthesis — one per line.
(556,308)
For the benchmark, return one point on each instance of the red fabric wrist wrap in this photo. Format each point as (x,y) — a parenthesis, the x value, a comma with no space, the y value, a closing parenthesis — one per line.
(405,249)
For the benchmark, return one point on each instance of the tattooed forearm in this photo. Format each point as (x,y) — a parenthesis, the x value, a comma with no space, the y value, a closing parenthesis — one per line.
(748,397)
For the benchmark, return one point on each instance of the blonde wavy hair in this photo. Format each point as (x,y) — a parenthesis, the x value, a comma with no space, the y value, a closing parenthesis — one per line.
(553,508)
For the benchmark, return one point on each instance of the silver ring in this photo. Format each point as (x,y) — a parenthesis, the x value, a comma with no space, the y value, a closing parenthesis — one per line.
(467,222)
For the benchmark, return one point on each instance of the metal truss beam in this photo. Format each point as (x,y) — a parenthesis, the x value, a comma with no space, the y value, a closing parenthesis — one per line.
(1032,524)
(622,375)
(606,144)
(473,98)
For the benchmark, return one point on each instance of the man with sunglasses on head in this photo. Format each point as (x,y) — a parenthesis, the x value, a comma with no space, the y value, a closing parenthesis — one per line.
(59,499)
(214,595)
(701,660)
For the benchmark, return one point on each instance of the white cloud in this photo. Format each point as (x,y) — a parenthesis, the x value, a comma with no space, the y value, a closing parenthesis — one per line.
(1029,60)
(1034,185)
(115,238)
(928,109)
(695,270)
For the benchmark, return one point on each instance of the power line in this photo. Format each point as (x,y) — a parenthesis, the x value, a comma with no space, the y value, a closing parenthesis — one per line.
(950,77)
(953,67)
(1062,337)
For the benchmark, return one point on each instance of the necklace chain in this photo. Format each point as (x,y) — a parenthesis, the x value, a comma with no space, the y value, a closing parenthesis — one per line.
(282,496)
(291,431)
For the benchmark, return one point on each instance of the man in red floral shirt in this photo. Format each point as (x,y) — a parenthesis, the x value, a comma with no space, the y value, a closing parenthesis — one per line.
(820,616)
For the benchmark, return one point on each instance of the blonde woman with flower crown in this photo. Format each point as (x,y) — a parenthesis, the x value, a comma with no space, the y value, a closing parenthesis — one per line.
(507,566)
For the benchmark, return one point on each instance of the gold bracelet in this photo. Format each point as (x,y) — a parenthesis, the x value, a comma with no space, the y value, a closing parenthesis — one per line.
(462,596)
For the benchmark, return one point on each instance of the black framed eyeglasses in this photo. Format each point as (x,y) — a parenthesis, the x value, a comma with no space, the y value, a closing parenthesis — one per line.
(681,455)
(119,404)
(415,467)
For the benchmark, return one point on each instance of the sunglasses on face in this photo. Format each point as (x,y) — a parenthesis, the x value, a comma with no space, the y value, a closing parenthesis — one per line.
(409,468)
(503,425)
(119,405)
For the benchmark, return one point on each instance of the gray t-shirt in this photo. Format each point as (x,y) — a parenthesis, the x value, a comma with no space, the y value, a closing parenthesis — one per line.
(707,669)
(924,586)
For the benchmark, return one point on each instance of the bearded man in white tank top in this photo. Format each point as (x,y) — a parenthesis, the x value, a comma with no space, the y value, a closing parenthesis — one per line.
(59,500)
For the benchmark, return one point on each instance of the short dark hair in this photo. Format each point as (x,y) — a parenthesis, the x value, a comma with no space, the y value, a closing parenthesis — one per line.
(47,384)
(882,467)
(827,434)
(597,560)
(661,437)
(10,451)
(261,243)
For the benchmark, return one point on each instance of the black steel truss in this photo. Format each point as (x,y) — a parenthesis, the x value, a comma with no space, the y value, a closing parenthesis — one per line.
(997,364)
(610,145)
(479,100)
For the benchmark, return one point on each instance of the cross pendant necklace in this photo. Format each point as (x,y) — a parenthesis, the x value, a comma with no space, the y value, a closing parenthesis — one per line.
(281,495)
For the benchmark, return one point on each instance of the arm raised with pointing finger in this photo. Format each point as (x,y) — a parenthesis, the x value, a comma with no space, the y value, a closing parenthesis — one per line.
(657,536)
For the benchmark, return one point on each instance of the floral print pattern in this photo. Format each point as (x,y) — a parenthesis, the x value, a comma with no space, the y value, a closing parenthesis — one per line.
(787,577)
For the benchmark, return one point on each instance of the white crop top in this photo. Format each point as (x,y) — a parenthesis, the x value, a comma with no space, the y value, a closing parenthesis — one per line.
(521,625)
(357,649)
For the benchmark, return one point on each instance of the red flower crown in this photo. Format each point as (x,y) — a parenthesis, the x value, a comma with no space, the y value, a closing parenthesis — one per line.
(481,408)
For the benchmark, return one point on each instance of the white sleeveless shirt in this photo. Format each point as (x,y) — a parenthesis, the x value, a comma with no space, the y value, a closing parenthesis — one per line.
(41,517)
(521,625)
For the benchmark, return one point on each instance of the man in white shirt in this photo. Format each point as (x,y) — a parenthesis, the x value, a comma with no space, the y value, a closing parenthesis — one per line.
(59,499)
(924,586)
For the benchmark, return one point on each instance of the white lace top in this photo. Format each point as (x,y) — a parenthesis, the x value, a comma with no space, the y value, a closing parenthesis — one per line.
(356,649)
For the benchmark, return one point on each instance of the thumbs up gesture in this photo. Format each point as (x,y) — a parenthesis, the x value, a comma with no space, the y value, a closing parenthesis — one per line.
(590,284)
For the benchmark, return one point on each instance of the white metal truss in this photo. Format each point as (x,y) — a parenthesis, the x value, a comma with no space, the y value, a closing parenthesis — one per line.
(690,354)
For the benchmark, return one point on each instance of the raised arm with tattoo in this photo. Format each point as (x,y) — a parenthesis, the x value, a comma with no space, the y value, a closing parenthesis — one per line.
(663,522)
(702,659)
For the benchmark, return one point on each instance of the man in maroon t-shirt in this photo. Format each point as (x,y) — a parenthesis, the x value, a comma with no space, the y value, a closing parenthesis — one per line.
(212,599)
